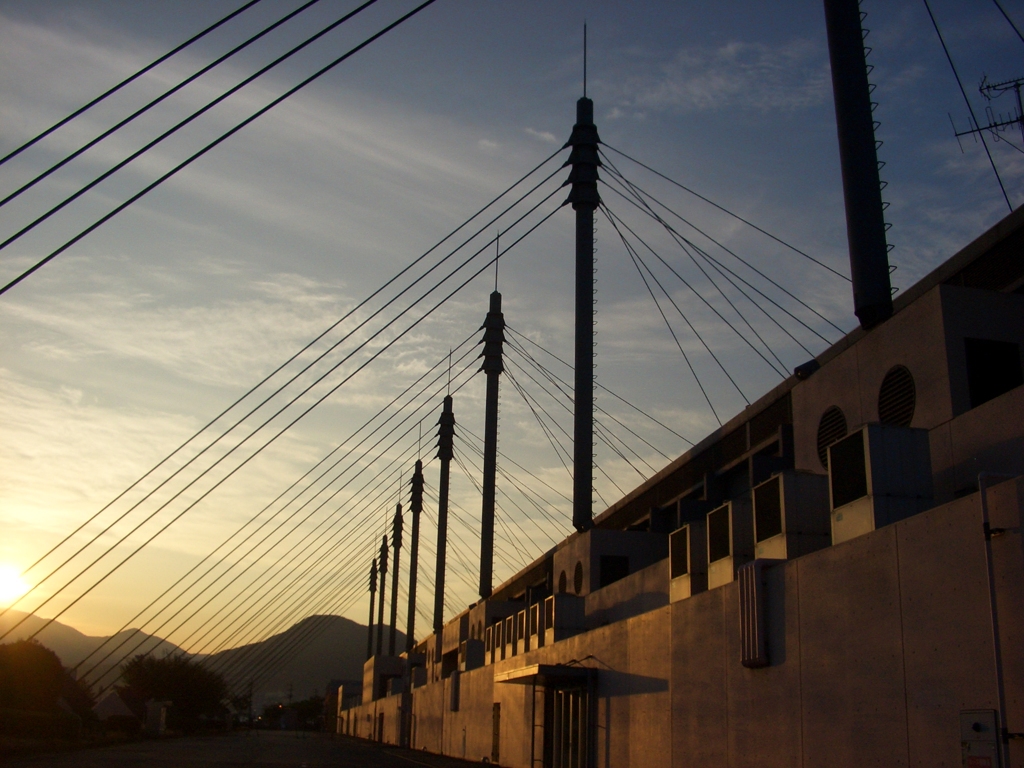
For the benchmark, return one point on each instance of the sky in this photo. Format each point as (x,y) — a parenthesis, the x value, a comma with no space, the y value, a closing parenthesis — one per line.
(128,343)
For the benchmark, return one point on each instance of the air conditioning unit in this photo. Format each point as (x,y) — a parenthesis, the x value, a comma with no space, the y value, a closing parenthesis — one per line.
(563,617)
(878,475)
(510,638)
(730,541)
(688,566)
(791,515)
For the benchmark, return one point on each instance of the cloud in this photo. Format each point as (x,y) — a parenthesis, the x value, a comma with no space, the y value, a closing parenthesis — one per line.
(736,75)
(545,136)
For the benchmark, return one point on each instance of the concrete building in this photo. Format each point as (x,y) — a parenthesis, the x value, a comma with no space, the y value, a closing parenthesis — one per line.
(834,577)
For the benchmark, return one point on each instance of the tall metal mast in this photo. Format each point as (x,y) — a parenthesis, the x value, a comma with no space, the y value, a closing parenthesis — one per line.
(383,584)
(862,190)
(396,542)
(416,507)
(494,338)
(369,623)
(446,435)
(584,199)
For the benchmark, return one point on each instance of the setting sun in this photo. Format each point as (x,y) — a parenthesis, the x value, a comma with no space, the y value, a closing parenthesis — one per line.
(12,586)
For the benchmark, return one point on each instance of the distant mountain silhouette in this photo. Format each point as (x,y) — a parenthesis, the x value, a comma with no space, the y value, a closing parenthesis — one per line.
(298,662)
(335,650)
(72,646)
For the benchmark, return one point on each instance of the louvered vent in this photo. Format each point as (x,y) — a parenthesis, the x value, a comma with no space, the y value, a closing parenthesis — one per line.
(832,427)
(897,397)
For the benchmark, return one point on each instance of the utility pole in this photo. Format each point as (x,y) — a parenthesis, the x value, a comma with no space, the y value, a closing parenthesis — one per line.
(383,584)
(445,441)
(396,542)
(584,198)
(369,623)
(416,507)
(494,338)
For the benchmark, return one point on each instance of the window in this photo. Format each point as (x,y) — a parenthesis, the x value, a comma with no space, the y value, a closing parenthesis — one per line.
(613,568)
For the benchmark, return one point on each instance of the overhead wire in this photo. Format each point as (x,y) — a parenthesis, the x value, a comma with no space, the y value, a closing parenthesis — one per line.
(127,81)
(967,101)
(291,359)
(159,99)
(195,156)
(727,212)
(373,357)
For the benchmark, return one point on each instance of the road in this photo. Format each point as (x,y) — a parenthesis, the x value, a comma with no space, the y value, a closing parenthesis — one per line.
(267,749)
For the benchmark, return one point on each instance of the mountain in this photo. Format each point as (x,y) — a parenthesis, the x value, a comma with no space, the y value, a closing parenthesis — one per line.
(300,661)
(297,663)
(72,646)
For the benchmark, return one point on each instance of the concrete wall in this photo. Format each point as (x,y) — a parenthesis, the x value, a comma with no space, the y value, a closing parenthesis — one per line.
(875,646)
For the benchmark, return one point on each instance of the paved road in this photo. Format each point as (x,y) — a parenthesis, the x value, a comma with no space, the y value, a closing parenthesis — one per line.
(266,749)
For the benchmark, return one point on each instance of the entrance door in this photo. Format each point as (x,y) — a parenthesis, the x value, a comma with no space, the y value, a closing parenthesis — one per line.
(567,728)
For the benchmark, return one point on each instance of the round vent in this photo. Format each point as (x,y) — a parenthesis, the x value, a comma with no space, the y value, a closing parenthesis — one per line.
(561,582)
(577,578)
(897,397)
(832,427)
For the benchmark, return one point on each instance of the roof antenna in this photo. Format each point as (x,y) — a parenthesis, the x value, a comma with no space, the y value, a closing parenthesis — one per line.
(584,58)
(497,255)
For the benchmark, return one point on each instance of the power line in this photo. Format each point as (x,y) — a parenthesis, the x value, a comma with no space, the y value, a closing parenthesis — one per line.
(967,101)
(196,155)
(149,105)
(126,81)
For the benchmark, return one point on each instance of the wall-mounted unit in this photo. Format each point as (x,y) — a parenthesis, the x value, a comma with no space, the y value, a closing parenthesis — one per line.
(510,638)
(535,627)
(688,561)
(878,475)
(791,515)
(730,541)
(522,636)
(564,616)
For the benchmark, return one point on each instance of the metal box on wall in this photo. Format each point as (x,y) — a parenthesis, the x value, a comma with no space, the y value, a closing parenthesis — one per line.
(688,567)
(730,540)
(878,475)
(791,515)
(564,616)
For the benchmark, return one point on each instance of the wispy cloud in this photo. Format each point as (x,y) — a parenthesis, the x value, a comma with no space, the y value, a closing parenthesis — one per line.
(545,136)
(736,75)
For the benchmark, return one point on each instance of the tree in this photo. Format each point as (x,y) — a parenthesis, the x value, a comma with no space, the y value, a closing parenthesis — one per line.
(195,692)
(32,679)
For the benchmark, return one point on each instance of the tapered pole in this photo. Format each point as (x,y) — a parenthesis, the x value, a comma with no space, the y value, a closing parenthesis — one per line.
(383,584)
(416,507)
(396,543)
(446,435)
(369,622)
(858,157)
(494,338)
(584,199)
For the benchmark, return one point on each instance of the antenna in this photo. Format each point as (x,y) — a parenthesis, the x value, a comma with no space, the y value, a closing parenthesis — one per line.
(449,371)
(497,255)
(584,58)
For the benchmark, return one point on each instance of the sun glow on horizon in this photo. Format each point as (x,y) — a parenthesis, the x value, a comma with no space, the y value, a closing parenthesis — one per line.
(12,586)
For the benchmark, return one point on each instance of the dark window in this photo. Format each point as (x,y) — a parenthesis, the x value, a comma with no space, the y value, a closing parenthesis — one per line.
(613,568)
(897,397)
(768,509)
(577,578)
(719,534)
(993,367)
(849,476)
(679,551)
(832,427)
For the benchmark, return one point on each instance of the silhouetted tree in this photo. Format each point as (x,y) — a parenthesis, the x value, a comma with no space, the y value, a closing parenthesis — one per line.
(195,692)
(32,679)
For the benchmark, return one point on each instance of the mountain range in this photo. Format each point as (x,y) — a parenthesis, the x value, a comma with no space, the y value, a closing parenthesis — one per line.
(293,664)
